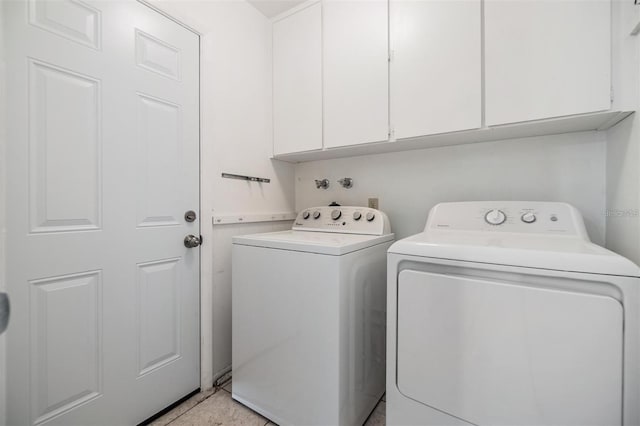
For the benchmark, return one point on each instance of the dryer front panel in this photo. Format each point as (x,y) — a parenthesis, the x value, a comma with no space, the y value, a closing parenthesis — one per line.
(502,352)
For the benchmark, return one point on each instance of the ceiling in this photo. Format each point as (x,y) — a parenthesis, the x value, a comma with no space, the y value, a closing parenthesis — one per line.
(271,8)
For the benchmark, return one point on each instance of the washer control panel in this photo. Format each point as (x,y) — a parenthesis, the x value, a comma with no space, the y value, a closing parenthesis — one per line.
(343,219)
(532,217)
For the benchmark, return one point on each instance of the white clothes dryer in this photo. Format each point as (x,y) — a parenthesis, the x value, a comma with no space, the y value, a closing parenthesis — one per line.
(504,313)
(309,317)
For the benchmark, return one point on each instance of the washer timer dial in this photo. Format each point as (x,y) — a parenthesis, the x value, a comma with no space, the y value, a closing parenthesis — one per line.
(495,217)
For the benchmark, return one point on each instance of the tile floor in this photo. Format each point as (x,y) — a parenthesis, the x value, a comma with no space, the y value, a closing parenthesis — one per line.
(216,407)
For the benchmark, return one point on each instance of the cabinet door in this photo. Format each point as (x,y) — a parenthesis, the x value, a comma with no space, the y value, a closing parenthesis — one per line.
(297,81)
(436,66)
(546,58)
(356,72)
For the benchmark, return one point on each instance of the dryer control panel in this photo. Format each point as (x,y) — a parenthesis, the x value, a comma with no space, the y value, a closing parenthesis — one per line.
(343,219)
(529,217)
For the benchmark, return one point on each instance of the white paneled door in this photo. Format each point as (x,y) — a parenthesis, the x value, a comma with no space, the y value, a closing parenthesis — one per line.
(103,163)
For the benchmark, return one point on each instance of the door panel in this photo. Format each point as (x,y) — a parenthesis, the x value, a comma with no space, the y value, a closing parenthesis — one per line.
(74,20)
(64,117)
(103,160)
(157,56)
(63,379)
(159,160)
(158,314)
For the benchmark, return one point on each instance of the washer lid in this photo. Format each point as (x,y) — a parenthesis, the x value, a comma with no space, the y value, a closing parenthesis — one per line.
(562,253)
(313,242)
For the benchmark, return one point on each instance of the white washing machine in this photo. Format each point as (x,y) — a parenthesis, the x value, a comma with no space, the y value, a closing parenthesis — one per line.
(309,317)
(504,313)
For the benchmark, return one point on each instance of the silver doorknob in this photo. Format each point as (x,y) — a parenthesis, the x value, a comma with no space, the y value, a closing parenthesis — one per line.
(191,241)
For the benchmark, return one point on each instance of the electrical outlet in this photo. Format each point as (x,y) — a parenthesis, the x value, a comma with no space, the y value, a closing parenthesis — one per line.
(373,203)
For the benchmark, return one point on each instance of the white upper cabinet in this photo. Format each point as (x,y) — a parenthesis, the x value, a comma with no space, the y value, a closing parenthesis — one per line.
(546,59)
(422,73)
(356,72)
(297,81)
(436,66)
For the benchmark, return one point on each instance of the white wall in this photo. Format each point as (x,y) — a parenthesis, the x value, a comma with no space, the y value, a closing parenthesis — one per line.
(623,141)
(236,138)
(222,283)
(623,188)
(568,168)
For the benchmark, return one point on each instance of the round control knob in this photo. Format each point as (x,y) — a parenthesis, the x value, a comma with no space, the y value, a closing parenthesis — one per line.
(528,217)
(335,215)
(495,217)
(316,214)
(370,216)
(357,216)
(306,215)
